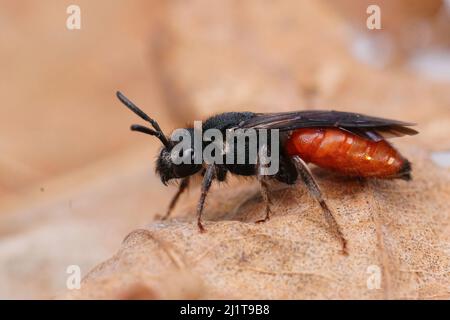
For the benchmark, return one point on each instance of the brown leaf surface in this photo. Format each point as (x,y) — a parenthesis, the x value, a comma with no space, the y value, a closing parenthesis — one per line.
(254,62)
(76,182)
(399,227)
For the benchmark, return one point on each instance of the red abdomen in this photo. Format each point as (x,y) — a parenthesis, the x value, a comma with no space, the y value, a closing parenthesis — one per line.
(349,154)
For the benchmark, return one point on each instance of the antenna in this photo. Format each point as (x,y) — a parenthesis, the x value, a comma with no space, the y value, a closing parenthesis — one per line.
(136,127)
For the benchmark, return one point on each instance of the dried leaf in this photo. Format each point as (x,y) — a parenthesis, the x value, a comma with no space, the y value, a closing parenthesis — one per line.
(397,231)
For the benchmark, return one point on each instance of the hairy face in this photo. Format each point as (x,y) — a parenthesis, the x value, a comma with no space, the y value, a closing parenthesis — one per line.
(167,170)
(164,166)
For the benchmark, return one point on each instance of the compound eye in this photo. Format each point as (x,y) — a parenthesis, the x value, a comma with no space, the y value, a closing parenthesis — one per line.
(187,166)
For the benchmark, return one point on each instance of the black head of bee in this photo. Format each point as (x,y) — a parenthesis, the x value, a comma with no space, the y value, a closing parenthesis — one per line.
(168,170)
(165,167)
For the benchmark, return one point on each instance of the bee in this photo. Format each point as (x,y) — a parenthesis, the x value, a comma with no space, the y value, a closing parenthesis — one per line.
(348,143)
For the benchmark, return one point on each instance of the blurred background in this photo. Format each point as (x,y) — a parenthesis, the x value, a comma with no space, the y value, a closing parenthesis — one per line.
(74,181)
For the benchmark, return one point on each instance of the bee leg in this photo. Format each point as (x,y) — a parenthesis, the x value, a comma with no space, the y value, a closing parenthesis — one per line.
(262,176)
(210,173)
(314,190)
(183,186)
(266,196)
